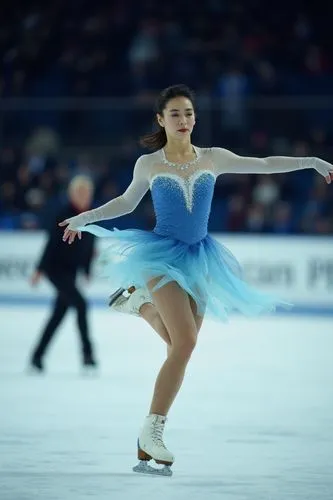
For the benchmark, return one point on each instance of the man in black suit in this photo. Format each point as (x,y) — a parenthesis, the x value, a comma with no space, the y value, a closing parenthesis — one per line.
(60,263)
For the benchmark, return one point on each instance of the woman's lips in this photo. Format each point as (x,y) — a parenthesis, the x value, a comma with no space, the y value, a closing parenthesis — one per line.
(183,130)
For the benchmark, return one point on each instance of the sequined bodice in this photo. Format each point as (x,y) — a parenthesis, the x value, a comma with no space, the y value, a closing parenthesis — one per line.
(182,196)
(182,204)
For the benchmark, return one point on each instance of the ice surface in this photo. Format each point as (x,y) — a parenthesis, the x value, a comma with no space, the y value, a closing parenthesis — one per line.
(253,420)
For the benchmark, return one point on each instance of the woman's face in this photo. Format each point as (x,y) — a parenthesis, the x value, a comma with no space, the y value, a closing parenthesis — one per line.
(178,118)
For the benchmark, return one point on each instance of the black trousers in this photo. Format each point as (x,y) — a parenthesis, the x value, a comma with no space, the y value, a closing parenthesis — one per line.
(67,296)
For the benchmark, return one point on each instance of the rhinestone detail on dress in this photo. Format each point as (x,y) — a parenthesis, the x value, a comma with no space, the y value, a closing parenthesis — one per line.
(181,166)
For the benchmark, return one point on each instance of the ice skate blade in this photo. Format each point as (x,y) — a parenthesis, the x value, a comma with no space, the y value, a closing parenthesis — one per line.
(113,297)
(144,468)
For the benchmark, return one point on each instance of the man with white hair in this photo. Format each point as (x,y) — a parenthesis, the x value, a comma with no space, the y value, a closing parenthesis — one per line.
(59,264)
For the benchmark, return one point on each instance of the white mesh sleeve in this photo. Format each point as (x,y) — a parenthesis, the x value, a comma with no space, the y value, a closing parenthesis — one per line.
(121,205)
(226,162)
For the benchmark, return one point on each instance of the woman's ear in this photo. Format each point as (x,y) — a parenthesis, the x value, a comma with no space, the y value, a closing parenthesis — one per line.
(160,120)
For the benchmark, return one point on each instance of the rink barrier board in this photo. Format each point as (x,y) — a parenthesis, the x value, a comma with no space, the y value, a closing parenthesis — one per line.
(298,269)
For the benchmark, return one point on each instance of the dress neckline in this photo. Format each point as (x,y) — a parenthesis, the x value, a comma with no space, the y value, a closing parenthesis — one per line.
(181,166)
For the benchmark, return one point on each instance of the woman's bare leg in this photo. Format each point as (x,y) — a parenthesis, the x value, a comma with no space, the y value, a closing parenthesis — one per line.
(197,318)
(149,313)
(174,308)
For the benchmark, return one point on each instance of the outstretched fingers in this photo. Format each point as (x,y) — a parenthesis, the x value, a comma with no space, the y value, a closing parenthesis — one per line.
(69,234)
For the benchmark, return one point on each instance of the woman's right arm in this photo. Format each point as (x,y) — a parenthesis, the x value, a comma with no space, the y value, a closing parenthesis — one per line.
(117,207)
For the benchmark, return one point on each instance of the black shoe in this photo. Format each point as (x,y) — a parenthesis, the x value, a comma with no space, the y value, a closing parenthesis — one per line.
(89,361)
(36,364)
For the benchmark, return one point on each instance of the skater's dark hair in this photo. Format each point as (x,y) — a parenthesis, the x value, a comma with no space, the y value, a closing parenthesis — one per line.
(157,140)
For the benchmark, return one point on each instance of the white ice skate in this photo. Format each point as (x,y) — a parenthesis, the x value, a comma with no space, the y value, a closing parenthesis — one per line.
(128,301)
(151,446)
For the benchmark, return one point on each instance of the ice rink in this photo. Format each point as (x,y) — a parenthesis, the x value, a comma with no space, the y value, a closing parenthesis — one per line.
(253,421)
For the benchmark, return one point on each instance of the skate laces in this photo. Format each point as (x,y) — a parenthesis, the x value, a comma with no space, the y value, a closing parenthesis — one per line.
(157,433)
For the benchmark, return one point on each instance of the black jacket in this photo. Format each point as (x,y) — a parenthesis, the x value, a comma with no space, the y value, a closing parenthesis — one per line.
(59,256)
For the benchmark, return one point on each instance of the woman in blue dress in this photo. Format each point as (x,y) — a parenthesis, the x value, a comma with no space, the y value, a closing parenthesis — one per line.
(187,273)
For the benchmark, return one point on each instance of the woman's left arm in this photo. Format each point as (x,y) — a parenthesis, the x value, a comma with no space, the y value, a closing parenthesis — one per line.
(227,162)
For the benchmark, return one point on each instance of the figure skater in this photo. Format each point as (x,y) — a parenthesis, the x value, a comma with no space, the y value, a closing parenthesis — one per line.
(179,271)
(60,265)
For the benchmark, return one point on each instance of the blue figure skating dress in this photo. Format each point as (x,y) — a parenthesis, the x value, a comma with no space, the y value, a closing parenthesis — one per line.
(179,248)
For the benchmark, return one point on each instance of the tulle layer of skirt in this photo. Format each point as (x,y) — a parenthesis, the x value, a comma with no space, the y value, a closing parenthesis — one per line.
(206,270)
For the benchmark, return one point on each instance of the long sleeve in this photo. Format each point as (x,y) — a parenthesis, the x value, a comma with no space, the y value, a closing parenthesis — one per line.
(55,255)
(226,162)
(48,253)
(121,205)
(52,246)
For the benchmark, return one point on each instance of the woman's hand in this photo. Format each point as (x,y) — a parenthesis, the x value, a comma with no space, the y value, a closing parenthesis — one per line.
(69,234)
(329,178)
(325,169)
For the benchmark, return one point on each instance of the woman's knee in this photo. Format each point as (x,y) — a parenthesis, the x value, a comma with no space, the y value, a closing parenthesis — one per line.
(185,345)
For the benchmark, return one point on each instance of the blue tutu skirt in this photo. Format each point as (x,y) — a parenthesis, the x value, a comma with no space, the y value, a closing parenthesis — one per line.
(206,270)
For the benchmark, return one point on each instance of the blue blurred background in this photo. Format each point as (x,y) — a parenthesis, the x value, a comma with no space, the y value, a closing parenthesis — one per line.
(78,82)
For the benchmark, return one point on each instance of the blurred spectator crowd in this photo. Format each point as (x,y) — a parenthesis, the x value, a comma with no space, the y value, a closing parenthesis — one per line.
(263,77)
